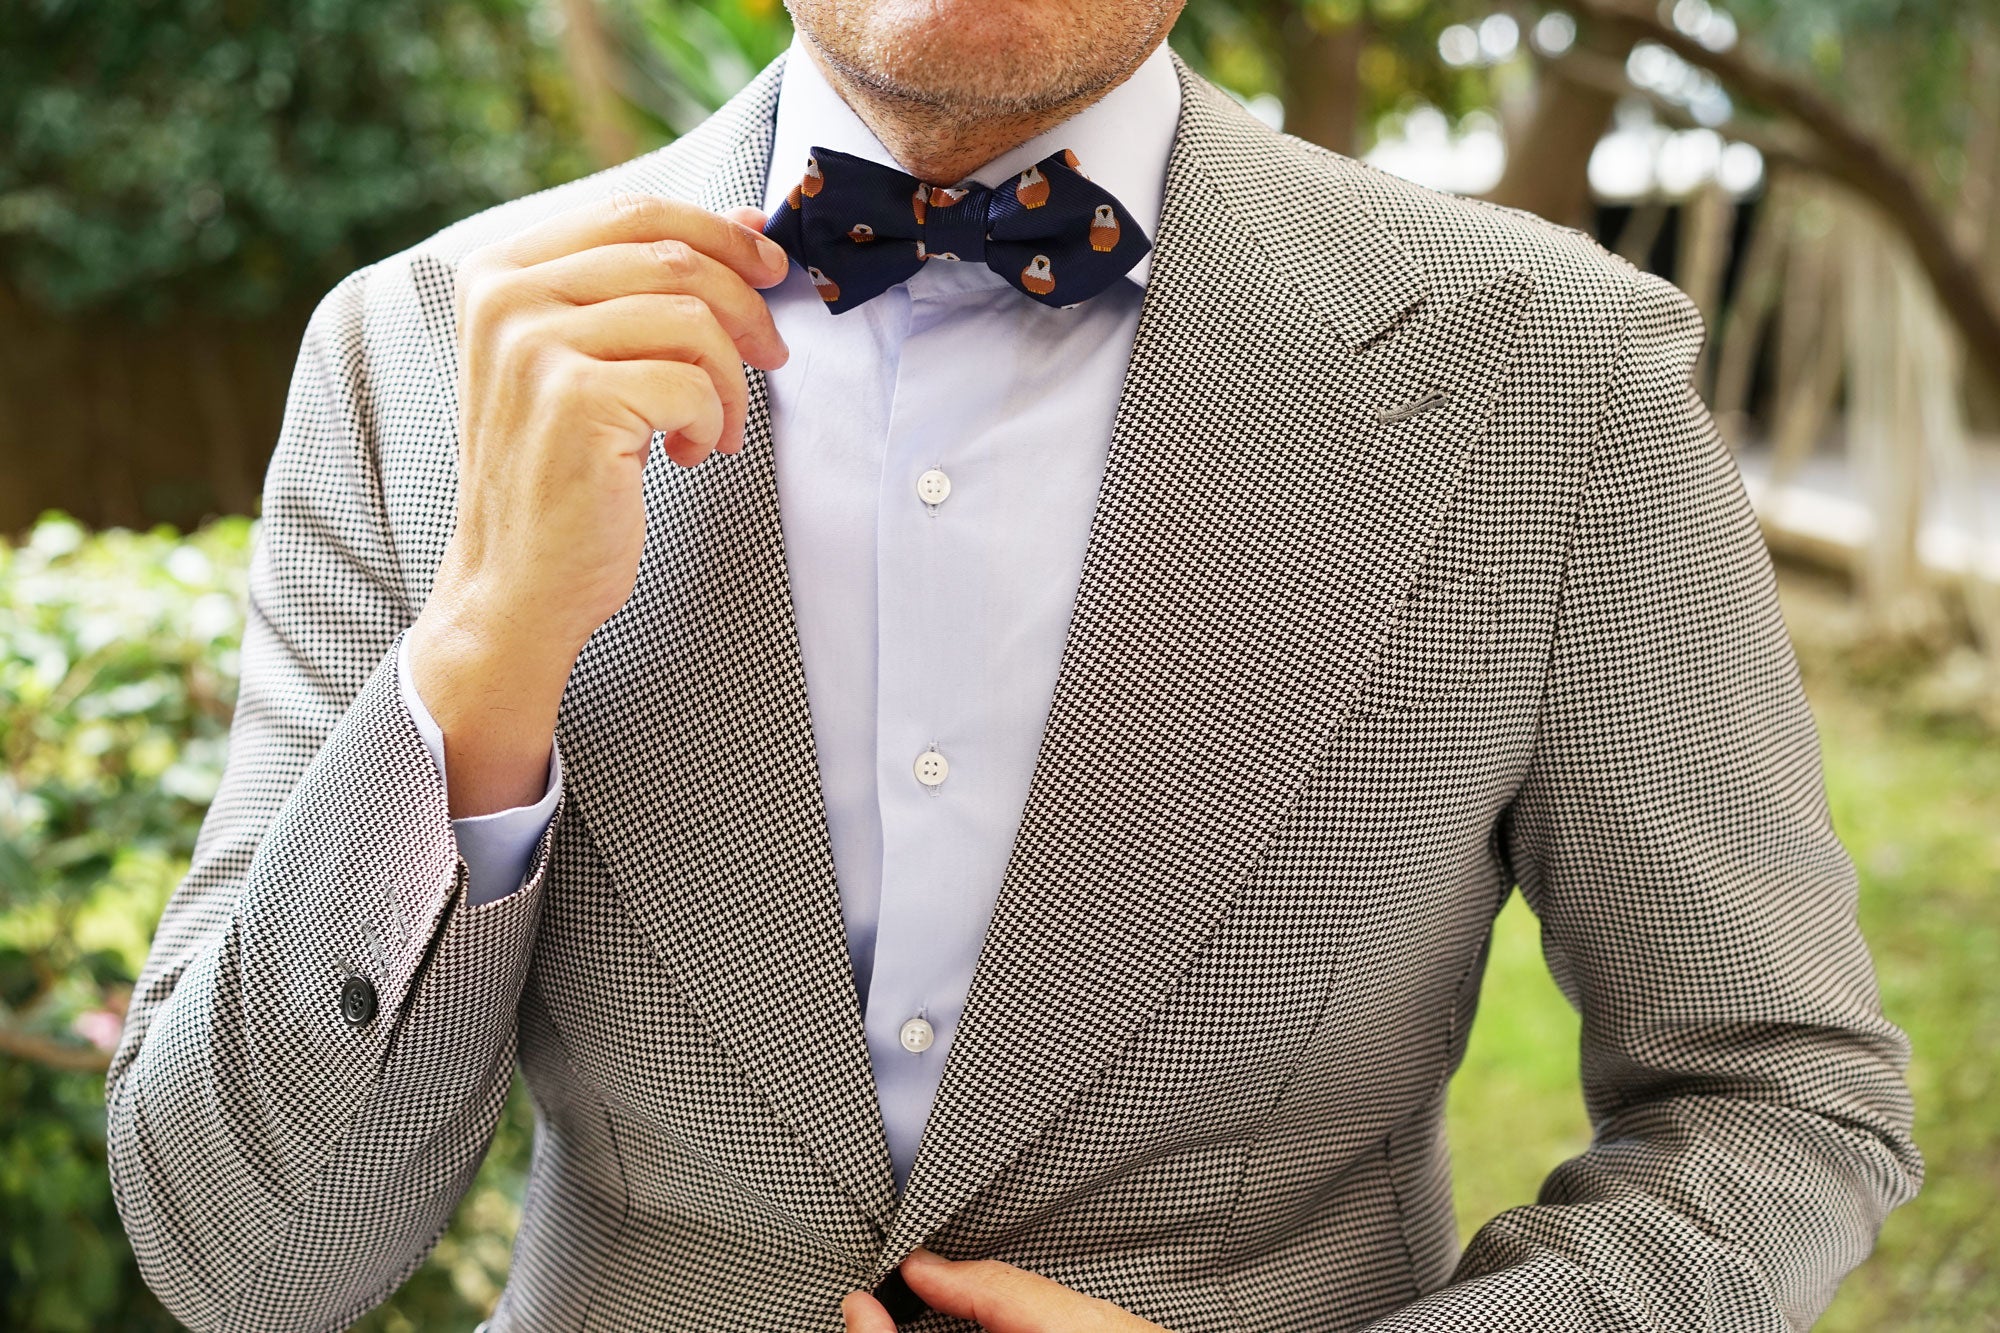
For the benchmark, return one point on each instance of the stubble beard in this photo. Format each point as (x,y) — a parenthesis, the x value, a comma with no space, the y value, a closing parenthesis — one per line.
(919,75)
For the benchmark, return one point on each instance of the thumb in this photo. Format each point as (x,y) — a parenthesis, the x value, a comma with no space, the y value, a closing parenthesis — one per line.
(998,1297)
(864,1314)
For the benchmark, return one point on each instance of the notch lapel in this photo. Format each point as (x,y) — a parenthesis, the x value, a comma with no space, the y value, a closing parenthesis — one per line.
(1257,525)
(689,754)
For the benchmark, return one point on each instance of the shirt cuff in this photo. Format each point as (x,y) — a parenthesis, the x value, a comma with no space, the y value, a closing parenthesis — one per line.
(498,848)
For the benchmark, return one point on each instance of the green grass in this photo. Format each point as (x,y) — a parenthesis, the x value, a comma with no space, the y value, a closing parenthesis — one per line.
(1917,803)
(1516,1109)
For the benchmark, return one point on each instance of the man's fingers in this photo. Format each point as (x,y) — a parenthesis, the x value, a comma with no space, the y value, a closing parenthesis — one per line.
(864,1314)
(644,396)
(664,328)
(626,217)
(667,267)
(1001,1298)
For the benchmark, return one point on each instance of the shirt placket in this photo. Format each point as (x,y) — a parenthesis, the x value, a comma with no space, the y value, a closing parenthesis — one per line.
(928,763)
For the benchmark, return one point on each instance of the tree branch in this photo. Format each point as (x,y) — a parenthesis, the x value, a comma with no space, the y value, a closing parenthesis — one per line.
(1851,155)
(1778,148)
(18,1045)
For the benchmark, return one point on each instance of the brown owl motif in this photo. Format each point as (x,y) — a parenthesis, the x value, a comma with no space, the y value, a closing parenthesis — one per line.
(942,197)
(794,197)
(1032,189)
(1069,160)
(828,289)
(917,204)
(1037,277)
(933,254)
(813,181)
(860,232)
(1103,228)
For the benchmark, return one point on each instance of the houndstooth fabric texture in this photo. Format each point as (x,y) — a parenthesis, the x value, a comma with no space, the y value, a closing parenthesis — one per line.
(1334,682)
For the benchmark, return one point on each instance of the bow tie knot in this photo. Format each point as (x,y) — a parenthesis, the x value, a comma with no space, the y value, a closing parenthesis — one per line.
(859,228)
(952,223)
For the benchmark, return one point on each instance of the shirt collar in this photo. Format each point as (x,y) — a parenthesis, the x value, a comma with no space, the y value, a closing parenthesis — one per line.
(1122,140)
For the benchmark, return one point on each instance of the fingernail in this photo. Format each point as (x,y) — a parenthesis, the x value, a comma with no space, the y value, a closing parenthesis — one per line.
(923,1258)
(774,254)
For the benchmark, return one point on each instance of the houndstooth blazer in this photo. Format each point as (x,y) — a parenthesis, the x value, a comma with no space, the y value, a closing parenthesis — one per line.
(1338,677)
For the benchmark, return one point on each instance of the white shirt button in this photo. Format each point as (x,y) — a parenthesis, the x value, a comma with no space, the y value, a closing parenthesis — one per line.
(917,1036)
(931,768)
(933,486)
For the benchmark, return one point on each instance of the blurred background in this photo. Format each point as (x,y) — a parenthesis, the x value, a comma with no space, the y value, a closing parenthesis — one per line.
(181,180)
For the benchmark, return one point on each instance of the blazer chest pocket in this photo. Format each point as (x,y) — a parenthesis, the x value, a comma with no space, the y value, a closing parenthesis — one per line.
(1437,646)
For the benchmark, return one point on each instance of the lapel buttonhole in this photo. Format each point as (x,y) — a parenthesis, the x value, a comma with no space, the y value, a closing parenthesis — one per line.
(1432,398)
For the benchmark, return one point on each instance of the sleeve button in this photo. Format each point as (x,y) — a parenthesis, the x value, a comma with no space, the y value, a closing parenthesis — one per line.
(357,1000)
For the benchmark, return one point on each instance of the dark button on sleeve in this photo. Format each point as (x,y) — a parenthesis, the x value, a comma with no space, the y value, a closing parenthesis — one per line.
(357,1000)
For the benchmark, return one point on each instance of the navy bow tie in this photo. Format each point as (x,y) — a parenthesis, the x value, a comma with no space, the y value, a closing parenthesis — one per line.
(859,228)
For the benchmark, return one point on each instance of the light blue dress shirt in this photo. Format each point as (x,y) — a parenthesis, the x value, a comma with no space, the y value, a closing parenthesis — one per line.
(938,453)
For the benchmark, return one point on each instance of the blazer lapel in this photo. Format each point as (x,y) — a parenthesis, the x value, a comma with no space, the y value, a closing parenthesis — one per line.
(689,754)
(1257,524)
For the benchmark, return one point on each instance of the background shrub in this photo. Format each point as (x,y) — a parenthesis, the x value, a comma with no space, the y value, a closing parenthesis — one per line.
(118,669)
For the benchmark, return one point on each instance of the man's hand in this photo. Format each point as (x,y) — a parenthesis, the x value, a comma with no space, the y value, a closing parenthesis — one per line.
(577,339)
(999,1297)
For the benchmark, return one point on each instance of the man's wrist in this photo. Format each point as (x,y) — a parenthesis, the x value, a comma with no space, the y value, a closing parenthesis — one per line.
(494,689)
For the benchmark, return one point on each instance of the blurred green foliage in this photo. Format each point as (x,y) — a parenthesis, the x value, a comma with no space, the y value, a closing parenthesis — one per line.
(233,154)
(1906,67)
(687,57)
(117,671)
(65,1266)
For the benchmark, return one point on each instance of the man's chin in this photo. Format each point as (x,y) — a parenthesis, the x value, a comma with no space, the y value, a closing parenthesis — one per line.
(974,54)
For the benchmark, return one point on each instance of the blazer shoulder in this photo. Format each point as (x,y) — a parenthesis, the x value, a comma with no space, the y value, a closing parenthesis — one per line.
(1369,247)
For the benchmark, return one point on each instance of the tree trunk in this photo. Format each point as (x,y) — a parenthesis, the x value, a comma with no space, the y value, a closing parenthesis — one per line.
(1812,349)
(1979,206)
(1707,230)
(593,69)
(1741,336)
(1548,155)
(1884,430)
(1321,71)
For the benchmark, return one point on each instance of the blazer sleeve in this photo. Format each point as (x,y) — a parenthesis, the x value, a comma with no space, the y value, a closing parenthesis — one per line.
(1751,1123)
(321,1041)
